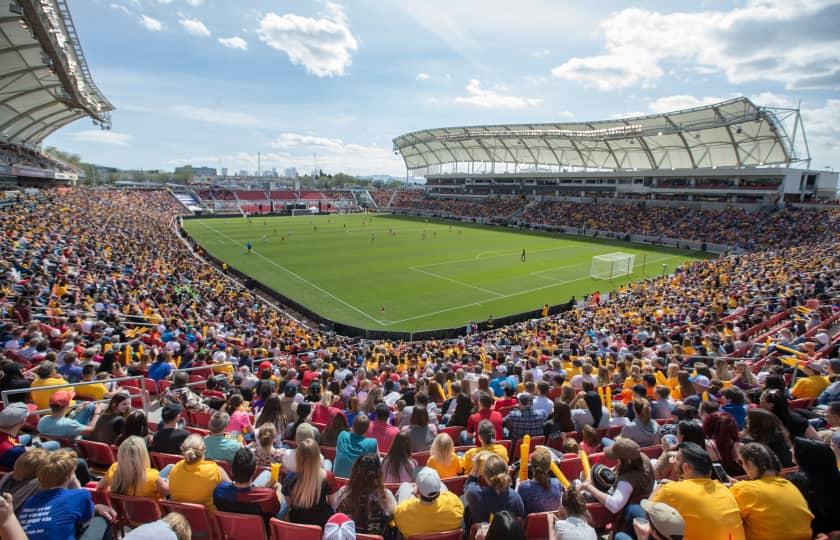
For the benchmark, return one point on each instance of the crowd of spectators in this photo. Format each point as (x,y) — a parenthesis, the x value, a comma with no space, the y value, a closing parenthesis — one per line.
(705,436)
(13,154)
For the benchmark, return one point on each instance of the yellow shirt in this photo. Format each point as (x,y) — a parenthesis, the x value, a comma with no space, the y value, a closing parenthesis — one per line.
(708,508)
(149,489)
(42,397)
(414,516)
(95,391)
(446,471)
(809,387)
(771,508)
(498,449)
(194,482)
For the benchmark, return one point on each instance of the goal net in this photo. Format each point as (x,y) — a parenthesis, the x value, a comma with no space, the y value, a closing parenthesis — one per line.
(612,265)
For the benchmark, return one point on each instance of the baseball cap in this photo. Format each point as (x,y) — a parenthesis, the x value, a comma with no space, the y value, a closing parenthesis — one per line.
(835,365)
(339,527)
(622,448)
(265,366)
(820,366)
(61,398)
(428,482)
(665,519)
(170,412)
(13,414)
(702,381)
(290,390)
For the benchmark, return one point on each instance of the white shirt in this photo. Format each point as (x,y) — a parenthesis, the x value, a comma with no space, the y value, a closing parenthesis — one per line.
(542,403)
(574,528)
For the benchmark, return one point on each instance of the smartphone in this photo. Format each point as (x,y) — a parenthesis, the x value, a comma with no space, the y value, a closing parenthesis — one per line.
(720,473)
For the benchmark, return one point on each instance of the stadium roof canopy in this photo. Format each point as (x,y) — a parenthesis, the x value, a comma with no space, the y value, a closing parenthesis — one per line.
(44,79)
(734,133)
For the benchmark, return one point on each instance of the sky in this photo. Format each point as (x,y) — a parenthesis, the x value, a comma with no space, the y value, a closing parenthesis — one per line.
(306,83)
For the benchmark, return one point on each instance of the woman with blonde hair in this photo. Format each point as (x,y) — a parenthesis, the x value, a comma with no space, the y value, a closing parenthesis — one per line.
(132,474)
(443,458)
(744,378)
(721,366)
(309,491)
(173,522)
(22,481)
(491,492)
(263,447)
(194,478)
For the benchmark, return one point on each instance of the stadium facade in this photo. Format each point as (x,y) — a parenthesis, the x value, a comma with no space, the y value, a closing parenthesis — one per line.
(733,152)
(45,84)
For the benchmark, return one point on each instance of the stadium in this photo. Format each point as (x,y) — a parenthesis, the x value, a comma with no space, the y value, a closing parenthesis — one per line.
(620,328)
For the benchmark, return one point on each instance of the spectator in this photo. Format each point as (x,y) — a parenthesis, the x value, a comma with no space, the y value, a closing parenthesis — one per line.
(576,524)
(194,478)
(324,411)
(218,445)
(310,490)
(94,391)
(240,496)
(263,448)
(590,412)
(61,509)
(505,526)
(485,412)
(364,499)
(133,474)
(169,436)
(13,379)
(240,419)
(634,482)
(12,419)
(172,526)
(58,424)
(722,442)
(493,494)
(796,424)
(818,479)
(304,432)
(161,368)
(381,430)
(559,424)
(112,420)
(643,430)
(765,428)
(708,508)
(271,414)
(590,441)
(22,482)
(734,404)
(443,458)
(543,492)
(398,466)
(135,425)
(419,431)
(337,425)
(432,510)
(351,445)
(770,506)
(524,420)
(47,376)
(813,383)
(663,523)
(486,435)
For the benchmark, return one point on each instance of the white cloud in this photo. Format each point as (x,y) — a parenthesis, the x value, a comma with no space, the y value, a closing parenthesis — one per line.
(422,76)
(164,1)
(215,116)
(822,125)
(323,46)
(122,8)
(491,99)
(235,42)
(101,136)
(194,26)
(151,24)
(793,42)
(195,3)
(680,102)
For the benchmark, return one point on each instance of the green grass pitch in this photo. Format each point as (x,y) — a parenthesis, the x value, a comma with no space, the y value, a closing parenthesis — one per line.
(383,272)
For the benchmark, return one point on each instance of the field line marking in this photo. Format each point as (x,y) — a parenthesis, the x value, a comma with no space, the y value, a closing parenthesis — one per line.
(454,281)
(505,251)
(473,259)
(535,289)
(331,295)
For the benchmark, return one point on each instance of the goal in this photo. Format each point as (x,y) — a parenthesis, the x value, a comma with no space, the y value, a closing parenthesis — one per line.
(612,265)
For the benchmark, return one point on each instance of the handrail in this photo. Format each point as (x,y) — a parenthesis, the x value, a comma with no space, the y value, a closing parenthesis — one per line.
(139,378)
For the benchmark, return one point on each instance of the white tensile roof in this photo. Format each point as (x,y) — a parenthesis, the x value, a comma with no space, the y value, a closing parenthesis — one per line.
(44,79)
(734,133)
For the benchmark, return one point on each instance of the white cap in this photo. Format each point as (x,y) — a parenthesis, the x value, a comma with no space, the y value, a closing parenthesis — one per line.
(428,482)
(339,527)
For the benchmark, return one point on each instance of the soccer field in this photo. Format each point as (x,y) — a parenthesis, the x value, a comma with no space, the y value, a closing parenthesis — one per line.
(382,272)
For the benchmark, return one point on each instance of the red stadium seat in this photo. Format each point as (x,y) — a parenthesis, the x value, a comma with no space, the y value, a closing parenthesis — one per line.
(535,441)
(601,517)
(202,525)
(161,460)
(225,465)
(454,432)
(283,530)
(360,536)
(421,458)
(328,452)
(135,510)
(454,534)
(536,528)
(239,526)
(96,453)
(455,484)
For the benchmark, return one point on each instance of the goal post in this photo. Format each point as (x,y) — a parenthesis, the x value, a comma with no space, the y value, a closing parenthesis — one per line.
(612,265)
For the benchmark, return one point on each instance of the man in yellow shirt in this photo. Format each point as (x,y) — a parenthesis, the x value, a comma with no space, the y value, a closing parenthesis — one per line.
(814,383)
(432,510)
(486,432)
(710,511)
(95,391)
(770,506)
(47,376)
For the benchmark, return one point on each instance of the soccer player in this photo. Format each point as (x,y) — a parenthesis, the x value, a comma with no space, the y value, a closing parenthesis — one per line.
(249,246)
(522,257)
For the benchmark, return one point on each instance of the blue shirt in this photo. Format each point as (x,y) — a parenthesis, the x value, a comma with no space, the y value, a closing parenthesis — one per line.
(219,447)
(348,448)
(61,427)
(56,514)
(537,499)
(483,501)
(159,370)
(71,372)
(738,412)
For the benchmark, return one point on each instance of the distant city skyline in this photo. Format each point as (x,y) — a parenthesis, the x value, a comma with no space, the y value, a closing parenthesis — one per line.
(326,85)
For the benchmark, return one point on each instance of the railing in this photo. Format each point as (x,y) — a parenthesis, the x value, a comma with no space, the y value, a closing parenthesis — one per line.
(139,378)
(206,367)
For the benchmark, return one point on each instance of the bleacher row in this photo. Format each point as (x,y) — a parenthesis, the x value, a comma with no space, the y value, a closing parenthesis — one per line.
(264,202)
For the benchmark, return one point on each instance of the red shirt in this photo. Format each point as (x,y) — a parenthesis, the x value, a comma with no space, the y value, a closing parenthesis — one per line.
(384,434)
(494,417)
(504,402)
(324,415)
(308,377)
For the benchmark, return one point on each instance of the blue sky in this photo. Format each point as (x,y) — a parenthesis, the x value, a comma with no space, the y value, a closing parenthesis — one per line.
(213,82)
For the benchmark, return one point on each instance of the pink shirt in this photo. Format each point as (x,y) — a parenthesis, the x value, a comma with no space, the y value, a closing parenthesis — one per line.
(384,434)
(240,422)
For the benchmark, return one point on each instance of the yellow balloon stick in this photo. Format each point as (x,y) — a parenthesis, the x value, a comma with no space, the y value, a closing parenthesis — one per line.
(788,349)
(705,396)
(560,476)
(584,463)
(608,392)
(524,449)
(601,394)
